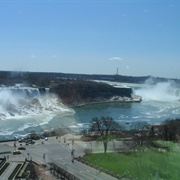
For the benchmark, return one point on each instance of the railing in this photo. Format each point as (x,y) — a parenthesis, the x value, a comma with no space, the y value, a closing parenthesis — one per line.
(62,172)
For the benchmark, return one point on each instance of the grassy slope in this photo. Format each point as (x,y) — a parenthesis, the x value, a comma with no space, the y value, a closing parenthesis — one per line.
(143,165)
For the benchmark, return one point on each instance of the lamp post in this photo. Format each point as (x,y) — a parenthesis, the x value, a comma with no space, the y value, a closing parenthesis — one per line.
(90,145)
(28,154)
(66,170)
(31,165)
(15,145)
(44,156)
(72,143)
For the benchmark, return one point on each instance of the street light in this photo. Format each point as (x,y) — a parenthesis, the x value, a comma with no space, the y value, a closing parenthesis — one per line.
(90,145)
(28,154)
(72,143)
(66,166)
(44,156)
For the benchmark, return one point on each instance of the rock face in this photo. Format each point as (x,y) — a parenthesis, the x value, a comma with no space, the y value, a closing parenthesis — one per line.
(80,92)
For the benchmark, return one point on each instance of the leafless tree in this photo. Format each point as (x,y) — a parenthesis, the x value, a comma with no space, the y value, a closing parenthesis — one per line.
(170,129)
(105,128)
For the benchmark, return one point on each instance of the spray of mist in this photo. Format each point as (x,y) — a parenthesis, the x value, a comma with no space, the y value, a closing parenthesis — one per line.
(162,91)
(20,102)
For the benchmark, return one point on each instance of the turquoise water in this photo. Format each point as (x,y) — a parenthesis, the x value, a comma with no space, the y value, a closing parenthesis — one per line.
(131,113)
(21,116)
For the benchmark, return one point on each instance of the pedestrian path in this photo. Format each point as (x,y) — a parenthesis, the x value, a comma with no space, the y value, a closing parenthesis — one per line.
(9,170)
(82,171)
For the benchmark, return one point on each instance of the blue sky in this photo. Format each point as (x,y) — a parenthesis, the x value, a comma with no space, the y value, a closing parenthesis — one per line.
(139,37)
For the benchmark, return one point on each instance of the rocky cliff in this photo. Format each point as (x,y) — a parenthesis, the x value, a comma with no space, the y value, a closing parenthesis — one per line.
(80,92)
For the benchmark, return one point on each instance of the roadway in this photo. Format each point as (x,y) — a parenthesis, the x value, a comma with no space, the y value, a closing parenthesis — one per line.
(56,151)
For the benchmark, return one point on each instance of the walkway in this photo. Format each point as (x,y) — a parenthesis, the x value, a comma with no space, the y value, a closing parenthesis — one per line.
(9,170)
(56,151)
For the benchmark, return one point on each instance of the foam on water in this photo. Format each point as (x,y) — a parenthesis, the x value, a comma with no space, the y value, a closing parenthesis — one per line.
(23,107)
(163,91)
(16,103)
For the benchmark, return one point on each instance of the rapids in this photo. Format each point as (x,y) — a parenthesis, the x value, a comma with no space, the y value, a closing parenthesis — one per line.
(25,109)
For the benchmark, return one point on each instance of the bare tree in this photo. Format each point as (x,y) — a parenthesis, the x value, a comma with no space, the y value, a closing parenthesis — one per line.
(170,129)
(140,137)
(105,128)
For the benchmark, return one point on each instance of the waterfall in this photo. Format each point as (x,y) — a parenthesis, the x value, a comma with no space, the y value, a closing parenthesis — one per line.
(23,101)
(163,91)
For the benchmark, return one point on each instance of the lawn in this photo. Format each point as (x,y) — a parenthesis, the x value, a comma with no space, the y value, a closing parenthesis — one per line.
(146,165)
(6,152)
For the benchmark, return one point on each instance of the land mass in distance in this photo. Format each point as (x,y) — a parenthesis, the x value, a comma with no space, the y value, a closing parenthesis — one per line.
(79,89)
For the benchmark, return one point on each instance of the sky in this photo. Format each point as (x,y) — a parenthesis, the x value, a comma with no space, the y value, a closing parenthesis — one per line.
(139,37)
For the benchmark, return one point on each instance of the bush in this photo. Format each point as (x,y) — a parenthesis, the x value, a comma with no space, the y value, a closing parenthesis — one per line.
(88,151)
(4,168)
(14,172)
(16,152)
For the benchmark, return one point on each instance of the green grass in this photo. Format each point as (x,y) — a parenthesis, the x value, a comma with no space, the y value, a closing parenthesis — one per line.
(15,171)
(6,152)
(170,145)
(16,152)
(145,165)
(4,168)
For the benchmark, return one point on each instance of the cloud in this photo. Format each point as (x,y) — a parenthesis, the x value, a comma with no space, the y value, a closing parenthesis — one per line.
(115,59)
(127,67)
(33,56)
(19,12)
(160,25)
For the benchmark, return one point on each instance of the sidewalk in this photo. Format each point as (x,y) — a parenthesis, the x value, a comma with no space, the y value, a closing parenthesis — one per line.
(9,170)
(58,150)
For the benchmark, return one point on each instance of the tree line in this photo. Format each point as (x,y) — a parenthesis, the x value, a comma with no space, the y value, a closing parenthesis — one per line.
(106,129)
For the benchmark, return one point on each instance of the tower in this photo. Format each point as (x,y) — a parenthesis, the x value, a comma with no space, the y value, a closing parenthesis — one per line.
(117,71)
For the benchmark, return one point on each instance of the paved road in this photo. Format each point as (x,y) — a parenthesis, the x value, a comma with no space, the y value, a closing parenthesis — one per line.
(56,151)
(60,154)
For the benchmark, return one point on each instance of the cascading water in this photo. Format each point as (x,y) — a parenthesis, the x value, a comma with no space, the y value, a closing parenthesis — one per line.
(23,107)
(21,101)
(16,101)
(164,91)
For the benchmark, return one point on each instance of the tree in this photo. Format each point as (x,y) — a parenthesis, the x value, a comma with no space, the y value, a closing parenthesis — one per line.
(170,129)
(140,139)
(105,128)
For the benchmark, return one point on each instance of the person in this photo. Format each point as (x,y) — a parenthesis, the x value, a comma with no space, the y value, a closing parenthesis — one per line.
(72,152)
(44,155)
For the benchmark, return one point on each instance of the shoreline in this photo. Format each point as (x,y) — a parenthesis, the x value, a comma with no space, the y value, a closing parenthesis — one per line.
(115,99)
(135,98)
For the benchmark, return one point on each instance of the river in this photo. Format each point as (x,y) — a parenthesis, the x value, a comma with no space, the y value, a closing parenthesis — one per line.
(20,116)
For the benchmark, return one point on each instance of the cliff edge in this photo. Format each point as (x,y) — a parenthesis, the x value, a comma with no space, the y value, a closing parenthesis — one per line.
(81,92)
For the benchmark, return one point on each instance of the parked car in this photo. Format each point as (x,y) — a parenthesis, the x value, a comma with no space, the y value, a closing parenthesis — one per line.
(22,140)
(21,148)
(30,141)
